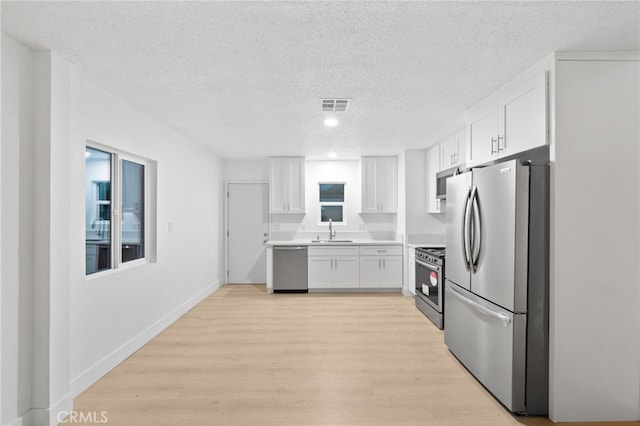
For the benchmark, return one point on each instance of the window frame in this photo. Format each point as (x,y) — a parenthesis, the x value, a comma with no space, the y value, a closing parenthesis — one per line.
(342,203)
(115,225)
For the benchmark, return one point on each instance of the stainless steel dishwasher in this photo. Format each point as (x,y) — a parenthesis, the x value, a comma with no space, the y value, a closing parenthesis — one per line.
(290,269)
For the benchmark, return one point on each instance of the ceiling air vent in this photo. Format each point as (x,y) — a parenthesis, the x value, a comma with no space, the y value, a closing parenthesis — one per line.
(335,105)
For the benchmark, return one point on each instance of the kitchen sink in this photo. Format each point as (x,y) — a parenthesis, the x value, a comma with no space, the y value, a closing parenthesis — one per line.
(331,241)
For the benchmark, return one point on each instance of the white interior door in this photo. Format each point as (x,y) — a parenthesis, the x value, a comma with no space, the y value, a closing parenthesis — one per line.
(247,227)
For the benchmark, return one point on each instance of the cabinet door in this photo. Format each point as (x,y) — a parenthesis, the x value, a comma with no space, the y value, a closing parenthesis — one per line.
(461,145)
(278,177)
(296,185)
(346,272)
(391,276)
(523,116)
(369,188)
(379,184)
(370,271)
(387,184)
(448,153)
(320,272)
(433,167)
(286,185)
(482,144)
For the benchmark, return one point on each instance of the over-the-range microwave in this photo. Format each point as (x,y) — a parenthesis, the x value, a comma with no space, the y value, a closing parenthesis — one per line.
(441,181)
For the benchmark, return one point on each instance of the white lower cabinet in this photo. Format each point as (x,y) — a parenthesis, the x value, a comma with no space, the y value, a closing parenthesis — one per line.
(333,267)
(380,267)
(353,267)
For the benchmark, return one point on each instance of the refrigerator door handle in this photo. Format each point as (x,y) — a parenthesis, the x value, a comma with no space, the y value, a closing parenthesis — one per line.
(466,232)
(478,307)
(477,230)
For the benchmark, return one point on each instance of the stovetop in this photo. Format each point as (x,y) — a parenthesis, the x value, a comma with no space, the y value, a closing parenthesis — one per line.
(433,251)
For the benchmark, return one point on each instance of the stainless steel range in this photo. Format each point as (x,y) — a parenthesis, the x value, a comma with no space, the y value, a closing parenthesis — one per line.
(429,283)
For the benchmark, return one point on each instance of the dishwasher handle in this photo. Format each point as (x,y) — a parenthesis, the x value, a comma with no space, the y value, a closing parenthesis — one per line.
(289,248)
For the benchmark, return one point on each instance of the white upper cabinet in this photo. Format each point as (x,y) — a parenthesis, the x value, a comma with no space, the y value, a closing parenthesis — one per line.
(447,154)
(512,121)
(483,132)
(379,184)
(452,150)
(523,116)
(286,185)
(433,167)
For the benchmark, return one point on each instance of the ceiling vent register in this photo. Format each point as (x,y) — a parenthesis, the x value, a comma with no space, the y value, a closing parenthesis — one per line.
(335,105)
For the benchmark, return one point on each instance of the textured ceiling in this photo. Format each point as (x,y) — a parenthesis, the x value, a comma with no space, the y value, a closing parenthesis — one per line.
(246,78)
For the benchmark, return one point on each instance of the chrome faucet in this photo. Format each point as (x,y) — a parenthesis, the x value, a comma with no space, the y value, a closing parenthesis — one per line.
(332,233)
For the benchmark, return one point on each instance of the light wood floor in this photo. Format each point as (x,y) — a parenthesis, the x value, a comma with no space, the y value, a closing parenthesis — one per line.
(245,357)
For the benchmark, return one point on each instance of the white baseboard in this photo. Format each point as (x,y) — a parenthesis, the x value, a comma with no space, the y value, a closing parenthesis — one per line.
(407,292)
(18,422)
(46,416)
(106,364)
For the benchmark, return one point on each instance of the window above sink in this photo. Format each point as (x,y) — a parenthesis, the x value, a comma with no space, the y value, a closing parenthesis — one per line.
(332,202)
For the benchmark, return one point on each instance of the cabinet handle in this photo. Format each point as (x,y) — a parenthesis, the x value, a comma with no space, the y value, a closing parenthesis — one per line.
(501,138)
(384,264)
(379,266)
(452,159)
(493,149)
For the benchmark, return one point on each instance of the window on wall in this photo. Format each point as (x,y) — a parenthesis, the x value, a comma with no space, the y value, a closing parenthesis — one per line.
(331,202)
(115,209)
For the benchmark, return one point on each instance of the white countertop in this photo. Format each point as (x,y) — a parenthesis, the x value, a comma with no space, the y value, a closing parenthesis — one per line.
(355,242)
(425,240)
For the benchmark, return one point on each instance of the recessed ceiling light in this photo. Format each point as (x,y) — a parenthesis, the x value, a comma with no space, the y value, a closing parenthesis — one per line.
(333,154)
(330,122)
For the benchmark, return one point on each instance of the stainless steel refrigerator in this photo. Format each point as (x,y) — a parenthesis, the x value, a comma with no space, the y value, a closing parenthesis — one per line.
(496,298)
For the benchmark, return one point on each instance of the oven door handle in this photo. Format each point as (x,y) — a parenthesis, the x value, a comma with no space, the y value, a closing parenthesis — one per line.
(433,268)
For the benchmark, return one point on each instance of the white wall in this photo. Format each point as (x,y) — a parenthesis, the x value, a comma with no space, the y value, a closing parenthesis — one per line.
(421,226)
(1,236)
(308,226)
(61,330)
(293,226)
(256,170)
(595,243)
(17,228)
(114,313)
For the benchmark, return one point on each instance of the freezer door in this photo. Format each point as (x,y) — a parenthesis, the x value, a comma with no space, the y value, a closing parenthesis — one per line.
(500,253)
(458,191)
(490,342)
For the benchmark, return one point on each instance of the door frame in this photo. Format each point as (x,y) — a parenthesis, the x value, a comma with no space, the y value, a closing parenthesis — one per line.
(226,219)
